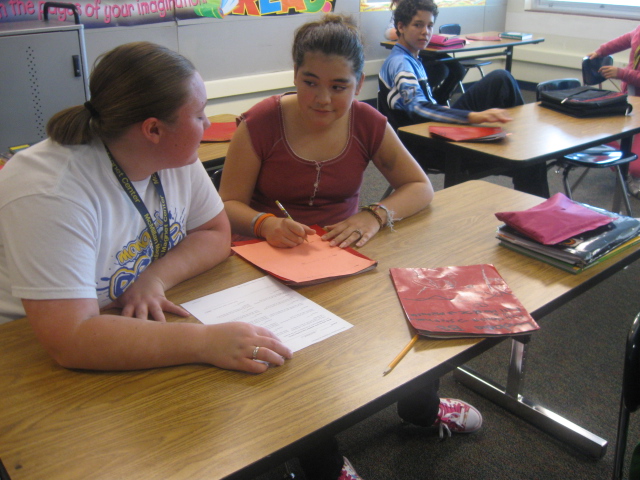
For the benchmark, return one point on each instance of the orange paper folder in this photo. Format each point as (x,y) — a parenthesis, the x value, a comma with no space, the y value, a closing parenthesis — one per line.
(310,263)
(460,302)
(219,132)
(467,133)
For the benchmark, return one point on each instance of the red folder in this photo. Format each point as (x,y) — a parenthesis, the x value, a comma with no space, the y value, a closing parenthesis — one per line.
(467,133)
(459,302)
(219,132)
(446,41)
(555,220)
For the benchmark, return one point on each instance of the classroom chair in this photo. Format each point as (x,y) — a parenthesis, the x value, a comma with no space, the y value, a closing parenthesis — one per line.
(455,29)
(429,161)
(601,156)
(591,67)
(215,176)
(630,399)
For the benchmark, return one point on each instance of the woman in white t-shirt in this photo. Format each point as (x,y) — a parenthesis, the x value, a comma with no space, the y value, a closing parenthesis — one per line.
(113,209)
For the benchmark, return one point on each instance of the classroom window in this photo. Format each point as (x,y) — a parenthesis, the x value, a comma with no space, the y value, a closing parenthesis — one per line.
(628,9)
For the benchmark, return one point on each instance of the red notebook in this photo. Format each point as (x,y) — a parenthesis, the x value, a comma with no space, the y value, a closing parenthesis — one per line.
(219,132)
(555,220)
(467,133)
(459,302)
(442,42)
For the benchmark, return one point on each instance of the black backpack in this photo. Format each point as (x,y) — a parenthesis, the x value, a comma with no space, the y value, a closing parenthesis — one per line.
(586,102)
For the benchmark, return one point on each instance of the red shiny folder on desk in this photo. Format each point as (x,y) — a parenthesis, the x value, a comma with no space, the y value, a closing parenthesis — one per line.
(467,133)
(460,301)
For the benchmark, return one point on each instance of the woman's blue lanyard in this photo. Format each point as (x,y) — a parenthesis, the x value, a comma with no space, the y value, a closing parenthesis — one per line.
(160,245)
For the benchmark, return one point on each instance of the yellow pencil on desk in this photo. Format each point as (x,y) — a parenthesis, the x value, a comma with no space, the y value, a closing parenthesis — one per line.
(287,214)
(401,355)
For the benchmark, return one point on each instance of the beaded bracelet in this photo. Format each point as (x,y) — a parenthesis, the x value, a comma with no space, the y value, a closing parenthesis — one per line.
(258,223)
(371,210)
(390,214)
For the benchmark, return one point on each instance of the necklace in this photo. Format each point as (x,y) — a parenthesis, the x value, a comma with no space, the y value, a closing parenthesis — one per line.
(316,184)
(160,242)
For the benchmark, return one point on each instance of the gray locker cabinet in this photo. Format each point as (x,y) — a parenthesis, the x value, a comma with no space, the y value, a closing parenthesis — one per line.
(43,71)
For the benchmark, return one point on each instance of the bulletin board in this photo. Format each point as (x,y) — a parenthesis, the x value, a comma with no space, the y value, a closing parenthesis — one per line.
(113,13)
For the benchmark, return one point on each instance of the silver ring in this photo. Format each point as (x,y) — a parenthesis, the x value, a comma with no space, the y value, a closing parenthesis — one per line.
(359,232)
(255,353)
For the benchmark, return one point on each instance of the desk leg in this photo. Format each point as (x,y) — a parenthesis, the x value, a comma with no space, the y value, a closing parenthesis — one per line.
(508,59)
(452,170)
(538,416)
(621,177)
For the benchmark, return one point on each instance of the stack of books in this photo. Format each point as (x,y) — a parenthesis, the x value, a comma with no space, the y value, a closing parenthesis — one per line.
(516,35)
(581,251)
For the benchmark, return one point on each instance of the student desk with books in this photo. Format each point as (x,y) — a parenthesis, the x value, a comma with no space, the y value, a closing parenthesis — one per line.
(198,421)
(535,135)
(475,49)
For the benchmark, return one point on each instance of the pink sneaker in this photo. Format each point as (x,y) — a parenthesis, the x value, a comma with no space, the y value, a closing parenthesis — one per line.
(348,472)
(458,417)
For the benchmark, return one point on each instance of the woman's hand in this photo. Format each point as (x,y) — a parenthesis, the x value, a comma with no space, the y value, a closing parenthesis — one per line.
(357,229)
(233,345)
(609,72)
(284,232)
(145,298)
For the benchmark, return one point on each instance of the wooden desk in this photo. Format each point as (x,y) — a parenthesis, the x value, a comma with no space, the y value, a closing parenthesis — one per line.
(199,422)
(537,135)
(476,46)
(212,154)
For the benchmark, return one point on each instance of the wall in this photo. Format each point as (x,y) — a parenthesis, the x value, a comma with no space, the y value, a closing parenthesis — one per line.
(245,59)
(568,38)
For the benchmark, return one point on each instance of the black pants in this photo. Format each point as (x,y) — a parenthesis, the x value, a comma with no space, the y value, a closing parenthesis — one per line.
(498,89)
(420,408)
(443,78)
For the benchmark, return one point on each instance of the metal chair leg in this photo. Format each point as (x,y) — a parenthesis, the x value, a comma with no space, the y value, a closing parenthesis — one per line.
(580,178)
(621,442)
(624,191)
(565,181)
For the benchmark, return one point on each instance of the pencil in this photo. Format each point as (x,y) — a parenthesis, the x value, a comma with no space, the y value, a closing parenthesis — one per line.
(401,355)
(283,210)
(287,214)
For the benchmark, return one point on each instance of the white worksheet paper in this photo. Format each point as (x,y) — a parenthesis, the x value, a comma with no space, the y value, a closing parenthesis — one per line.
(294,319)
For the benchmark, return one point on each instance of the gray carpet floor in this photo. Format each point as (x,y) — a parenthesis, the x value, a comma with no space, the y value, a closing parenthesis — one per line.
(574,368)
